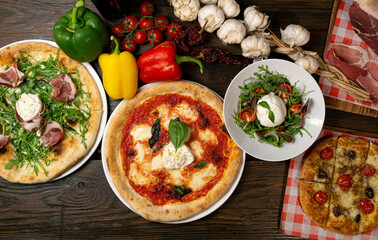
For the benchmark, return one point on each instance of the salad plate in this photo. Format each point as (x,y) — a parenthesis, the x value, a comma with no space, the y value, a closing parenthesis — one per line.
(313,122)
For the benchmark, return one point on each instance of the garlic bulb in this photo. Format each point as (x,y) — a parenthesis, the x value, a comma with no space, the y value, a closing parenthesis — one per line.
(295,35)
(211,16)
(309,63)
(186,10)
(230,8)
(209,1)
(232,31)
(254,19)
(254,46)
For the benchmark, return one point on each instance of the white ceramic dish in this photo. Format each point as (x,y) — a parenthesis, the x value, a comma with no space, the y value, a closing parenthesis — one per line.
(104,104)
(194,218)
(313,124)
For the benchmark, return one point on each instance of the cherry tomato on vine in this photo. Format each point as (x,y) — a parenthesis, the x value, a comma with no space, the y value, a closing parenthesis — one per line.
(129,45)
(163,22)
(154,36)
(111,45)
(130,23)
(147,8)
(145,23)
(140,37)
(174,29)
(117,29)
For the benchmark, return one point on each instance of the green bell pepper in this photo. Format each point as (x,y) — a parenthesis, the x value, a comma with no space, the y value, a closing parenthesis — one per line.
(81,34)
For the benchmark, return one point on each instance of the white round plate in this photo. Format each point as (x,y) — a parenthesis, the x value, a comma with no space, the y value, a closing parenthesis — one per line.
(211,209)
(104,105)
(313,123)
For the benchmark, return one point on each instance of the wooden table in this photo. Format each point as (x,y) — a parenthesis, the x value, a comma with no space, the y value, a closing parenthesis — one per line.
(82,205)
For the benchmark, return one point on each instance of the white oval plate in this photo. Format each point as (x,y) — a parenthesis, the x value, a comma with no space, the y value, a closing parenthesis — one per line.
(313,124)
(104,113)
(211,209)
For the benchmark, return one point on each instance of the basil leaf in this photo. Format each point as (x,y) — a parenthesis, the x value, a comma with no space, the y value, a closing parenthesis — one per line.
(271,116)
(158,148)
(155,133)
(180,190)
(264,104)
(178,132)
(201,164)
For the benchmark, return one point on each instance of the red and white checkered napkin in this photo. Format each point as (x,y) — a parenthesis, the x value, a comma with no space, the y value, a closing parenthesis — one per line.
(294,221)
(343,33)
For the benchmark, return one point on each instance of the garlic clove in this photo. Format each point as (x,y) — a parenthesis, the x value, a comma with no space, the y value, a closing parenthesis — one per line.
(254,19)
(185,10)
(232,31)
(295,35)
(230,8)
(309,63)
(210,17)
(255,47)
(209,1)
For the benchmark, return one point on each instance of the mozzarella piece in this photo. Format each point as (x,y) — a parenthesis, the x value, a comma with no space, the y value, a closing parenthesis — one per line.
(277,106)
(176,159)
(28,106)
(201,178)
(141,132)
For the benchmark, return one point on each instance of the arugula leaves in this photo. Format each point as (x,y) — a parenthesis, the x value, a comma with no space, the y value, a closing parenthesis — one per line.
(28,150)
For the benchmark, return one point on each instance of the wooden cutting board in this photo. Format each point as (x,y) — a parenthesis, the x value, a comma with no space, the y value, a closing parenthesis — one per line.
(337,103)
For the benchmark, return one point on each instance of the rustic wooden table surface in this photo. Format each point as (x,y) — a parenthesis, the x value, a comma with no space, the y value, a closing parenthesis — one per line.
(82,205)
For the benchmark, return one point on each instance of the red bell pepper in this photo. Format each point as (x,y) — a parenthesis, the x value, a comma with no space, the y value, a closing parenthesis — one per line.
(161,63)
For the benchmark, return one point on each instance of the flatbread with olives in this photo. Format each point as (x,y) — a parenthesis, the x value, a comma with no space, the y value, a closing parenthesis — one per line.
(75,111)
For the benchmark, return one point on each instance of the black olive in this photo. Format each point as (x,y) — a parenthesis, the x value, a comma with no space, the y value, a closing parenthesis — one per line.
(357,218)
(322,174)
(3,150)
(369,192)
(336,211)
(351,154)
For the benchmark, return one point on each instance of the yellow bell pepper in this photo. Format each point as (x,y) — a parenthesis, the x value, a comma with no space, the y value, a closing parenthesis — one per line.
(119,73)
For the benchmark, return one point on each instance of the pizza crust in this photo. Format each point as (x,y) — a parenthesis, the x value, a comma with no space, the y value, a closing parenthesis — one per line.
(142,206)
(70,150)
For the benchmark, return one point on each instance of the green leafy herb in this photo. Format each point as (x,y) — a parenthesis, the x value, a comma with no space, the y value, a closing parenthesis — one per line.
(155,133)
(178,132)
(158,148)
(180,190)
(264,104)
(201,164)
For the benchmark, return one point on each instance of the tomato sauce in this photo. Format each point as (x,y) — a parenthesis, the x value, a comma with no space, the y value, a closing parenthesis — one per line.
(159,191)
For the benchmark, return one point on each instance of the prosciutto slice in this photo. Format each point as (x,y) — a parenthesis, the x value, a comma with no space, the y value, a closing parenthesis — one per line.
(33,124)
(51,134)
(4,139)
(364,20)
(12,77)
(64,89)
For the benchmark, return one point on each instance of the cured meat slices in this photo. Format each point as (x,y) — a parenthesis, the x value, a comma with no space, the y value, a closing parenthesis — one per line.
(12,77)
(4,139)
(64,89)
(33,124)
(364,19)
(51,134)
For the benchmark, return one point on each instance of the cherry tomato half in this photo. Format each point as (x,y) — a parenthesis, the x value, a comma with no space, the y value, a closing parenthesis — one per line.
(320,197)
(366,205)
(147,8)
(258,90)
(344,182)
(145,23)
(140,37)
(247,115)
(129,45)
(154,36)
(130,23)
(174,29)
(368,169)
(326,153)
(163,22)
(295,108)
(287,88)
(117,29)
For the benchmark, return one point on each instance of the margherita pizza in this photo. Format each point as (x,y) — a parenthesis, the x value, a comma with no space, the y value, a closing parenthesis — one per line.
(339,184)
(50,112)
(168,152)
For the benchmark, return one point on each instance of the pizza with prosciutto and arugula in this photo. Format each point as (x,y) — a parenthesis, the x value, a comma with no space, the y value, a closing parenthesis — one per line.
(168,151)
(339,185)
(50,112)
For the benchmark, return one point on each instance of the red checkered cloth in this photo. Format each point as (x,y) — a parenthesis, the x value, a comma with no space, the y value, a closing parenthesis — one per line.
(343,33)
(293,220)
